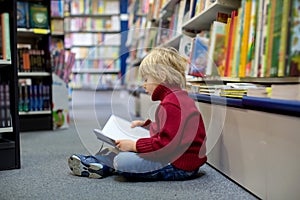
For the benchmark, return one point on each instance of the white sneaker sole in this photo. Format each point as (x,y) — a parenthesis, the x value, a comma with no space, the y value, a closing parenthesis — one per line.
(93,170)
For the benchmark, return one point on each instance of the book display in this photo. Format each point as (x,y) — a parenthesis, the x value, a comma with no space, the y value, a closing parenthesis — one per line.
(92,33)
(9,119)
(249,53)
(34,65)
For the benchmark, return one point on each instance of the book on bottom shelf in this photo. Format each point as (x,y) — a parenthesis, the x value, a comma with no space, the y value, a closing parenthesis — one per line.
(5,116)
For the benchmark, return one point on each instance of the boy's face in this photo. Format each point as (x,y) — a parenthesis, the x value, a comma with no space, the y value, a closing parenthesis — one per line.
(150,84)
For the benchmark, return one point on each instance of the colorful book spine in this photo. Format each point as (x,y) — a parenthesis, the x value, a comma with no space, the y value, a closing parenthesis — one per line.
(245,36)
(258,39)
(227,43)
(269,42)
(262,67)
(240,30)
(251,38)
(284,38)
(276,38)
(230,46)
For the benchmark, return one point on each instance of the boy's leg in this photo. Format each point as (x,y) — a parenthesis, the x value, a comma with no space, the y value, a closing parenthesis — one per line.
(97,166)
(131,165)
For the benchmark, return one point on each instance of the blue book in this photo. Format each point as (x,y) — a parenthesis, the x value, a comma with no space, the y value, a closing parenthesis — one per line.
(198,57)
(22,14)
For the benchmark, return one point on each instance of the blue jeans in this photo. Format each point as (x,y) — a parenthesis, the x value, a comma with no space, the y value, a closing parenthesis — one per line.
(132,166)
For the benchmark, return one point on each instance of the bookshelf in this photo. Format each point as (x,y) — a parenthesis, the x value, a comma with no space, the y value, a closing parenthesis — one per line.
(34,65)
(92,32)
(9,118)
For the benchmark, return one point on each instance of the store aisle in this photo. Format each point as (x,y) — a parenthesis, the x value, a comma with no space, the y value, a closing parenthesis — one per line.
(44,172)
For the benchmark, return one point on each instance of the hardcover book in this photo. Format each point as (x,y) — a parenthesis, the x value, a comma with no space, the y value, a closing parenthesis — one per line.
(38,15)
(22,14)
(198,59)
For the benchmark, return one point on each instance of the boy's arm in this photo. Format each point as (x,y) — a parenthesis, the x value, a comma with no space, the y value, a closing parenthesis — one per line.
(144,124)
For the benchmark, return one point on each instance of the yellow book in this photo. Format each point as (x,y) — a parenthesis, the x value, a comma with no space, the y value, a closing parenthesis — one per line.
(245,36)
(284,37)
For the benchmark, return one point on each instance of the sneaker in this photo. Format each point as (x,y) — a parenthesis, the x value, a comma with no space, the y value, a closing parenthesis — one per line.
(86,166)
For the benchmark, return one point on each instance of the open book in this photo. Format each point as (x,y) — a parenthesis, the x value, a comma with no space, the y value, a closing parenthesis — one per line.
(117,128)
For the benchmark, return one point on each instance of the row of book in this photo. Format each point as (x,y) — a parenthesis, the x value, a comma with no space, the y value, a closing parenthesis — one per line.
(5,51)
(33,97)
(96,64)
(253,43)
(239,90)
(97,52)
(5,116)
(62,63)
(94,39)
(95,81)
(31,60)
(94,7)
(32,15)
(92,24)
(57,8)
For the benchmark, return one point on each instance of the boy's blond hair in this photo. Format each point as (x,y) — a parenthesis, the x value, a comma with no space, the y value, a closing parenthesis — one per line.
(165,65)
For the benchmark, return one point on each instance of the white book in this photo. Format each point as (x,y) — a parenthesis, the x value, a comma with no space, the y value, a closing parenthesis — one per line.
(117,128)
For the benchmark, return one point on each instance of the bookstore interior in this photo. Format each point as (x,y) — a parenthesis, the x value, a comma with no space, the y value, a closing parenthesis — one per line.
(244,70)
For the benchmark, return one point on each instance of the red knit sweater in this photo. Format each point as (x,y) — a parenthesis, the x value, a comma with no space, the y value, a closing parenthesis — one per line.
(178,133)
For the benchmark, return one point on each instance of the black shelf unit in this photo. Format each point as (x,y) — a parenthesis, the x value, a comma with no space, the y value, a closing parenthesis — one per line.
(9,134)
(38,117)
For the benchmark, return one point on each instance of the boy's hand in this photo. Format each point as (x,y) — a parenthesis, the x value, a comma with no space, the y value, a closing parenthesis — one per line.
(126,145)
(137,123)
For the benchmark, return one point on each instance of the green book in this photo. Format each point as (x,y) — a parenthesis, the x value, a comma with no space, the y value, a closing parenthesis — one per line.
(38,15)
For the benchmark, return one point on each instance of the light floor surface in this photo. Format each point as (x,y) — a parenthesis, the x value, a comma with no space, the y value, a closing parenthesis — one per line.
(44,172)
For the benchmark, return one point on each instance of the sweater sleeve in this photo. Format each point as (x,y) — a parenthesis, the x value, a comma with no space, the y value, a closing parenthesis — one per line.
(162,131)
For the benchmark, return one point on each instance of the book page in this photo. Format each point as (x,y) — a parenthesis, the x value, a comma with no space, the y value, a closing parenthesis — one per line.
(118,128)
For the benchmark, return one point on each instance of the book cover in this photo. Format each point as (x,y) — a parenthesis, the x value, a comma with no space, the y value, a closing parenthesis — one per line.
(185,46)
(216,52)
(22,14)
(38,16)
(198,58)
(6,52)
